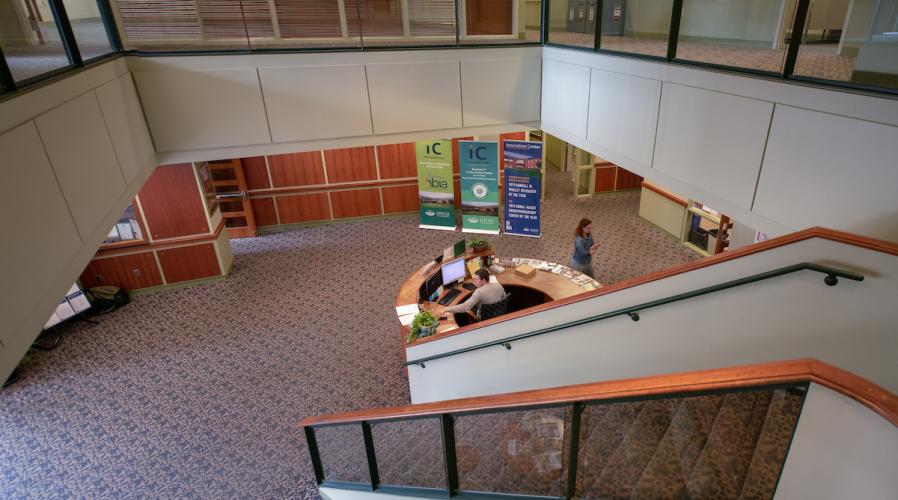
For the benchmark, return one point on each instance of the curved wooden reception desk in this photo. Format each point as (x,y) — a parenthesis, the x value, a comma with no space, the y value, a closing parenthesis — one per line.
(539,287)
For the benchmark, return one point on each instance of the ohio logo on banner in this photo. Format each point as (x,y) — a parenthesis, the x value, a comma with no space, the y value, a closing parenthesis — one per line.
(479,165)
(523,177)
(435,190)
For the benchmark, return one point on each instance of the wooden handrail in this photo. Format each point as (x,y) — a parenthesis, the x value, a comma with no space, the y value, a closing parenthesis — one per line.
(861,390)
(806,234)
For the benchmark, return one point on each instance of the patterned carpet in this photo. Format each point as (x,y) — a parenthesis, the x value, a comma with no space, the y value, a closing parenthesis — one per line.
(197,392)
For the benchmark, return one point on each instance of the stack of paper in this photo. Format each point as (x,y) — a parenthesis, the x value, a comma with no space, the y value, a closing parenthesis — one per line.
(407,309)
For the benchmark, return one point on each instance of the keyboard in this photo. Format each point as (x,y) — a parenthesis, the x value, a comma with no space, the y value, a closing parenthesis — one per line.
(469,286)
(447,299)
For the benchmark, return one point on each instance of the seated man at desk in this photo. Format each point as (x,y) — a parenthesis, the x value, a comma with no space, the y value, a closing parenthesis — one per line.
(486,293)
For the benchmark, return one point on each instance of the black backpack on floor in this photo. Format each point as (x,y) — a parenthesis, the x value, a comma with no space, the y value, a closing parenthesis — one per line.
(107,298)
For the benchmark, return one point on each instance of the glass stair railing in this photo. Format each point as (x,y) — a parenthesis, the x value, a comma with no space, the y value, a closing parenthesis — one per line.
(728,443)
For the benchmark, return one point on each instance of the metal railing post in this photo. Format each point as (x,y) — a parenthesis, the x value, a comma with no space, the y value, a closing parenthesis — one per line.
(6,79)
(314,454)
(66,33)
(574,451)
(801,14)
(372,457)
(600,11)
(448,424)
(674,35)
(108,18)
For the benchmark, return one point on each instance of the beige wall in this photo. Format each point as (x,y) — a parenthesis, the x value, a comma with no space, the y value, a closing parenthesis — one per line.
(74,154)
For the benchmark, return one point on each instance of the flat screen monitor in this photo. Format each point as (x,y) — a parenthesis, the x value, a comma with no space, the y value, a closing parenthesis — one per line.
(431,289)
(453,271)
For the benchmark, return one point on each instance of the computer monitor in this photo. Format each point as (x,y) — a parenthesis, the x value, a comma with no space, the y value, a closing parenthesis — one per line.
(453,271)
(430,290)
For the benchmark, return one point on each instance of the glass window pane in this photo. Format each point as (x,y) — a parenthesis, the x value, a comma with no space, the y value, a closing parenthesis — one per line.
(750,34)
(637,26)
(386,23)
(573,22)
(87,24)
(493,21)
(342,450)
(187,24)
(410,453)
(857,42)
(305,24)
(522,452)
(714,446)
(30,39)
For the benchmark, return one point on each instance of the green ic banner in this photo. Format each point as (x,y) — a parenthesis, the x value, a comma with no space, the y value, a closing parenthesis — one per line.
(479,163)
(435,191)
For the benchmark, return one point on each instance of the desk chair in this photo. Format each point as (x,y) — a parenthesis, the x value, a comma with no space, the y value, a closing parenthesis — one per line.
(488,311)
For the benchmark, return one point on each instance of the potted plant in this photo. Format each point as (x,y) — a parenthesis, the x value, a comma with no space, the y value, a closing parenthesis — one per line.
(479,244)
(423,324)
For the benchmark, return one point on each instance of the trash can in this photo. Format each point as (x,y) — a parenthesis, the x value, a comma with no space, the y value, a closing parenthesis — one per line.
(613,16)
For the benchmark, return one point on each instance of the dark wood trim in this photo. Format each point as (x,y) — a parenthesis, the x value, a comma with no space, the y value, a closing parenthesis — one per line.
(670,196)
(806,234)
(161,244)
(861,390)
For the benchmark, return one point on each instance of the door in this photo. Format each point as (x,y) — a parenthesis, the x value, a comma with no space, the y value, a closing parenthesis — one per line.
(230,191)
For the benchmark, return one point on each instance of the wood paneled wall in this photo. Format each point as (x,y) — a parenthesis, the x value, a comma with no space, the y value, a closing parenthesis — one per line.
(172,204)
(335,184)
(179,245)
(610,177)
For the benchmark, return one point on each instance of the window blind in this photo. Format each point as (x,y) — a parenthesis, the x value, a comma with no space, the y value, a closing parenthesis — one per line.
(431,17)
(308,18)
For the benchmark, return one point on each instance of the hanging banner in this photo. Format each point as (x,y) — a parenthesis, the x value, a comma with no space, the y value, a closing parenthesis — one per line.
(435,190)
(523,184)
(479,165)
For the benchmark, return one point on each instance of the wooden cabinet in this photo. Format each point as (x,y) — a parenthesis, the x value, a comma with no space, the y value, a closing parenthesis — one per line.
(172,203)
(127,271)
(189,263)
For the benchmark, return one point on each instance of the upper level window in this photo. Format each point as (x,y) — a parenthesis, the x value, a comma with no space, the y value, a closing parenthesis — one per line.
(89,28)
(126,229)
(30,38)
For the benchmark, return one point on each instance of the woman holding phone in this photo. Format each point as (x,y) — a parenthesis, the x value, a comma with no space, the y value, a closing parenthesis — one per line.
(584,248)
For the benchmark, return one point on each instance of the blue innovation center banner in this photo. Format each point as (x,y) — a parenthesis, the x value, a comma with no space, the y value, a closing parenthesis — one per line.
(523,185)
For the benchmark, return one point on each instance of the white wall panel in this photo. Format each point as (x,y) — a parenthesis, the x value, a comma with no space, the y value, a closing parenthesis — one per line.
(40,236)
(415,96)
(711,140)
(623,114)
(130,136)
(832,171)
(495,92)
(565,94)
(203,109)
(83,158)
(841,449)
(316,102)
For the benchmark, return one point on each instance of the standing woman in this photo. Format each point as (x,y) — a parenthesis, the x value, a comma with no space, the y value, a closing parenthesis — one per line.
(584,248)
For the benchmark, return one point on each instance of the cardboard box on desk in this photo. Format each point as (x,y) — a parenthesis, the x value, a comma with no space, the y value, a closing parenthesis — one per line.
(525,271)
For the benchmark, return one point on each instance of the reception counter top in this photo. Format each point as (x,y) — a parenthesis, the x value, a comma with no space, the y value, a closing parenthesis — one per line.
(539,287)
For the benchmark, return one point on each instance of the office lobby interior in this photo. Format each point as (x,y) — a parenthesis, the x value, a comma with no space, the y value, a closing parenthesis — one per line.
(247,171)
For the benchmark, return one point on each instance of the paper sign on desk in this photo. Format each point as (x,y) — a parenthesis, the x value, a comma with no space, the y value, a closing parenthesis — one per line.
(406,319)
(407,309)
